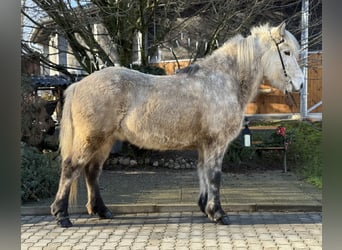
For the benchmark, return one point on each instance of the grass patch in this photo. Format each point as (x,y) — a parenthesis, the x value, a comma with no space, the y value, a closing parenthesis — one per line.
(315,180)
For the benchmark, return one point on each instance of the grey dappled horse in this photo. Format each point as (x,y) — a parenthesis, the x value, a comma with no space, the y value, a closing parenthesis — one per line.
(201,108)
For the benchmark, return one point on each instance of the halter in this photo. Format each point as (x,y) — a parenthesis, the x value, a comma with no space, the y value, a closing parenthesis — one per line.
(292,99)
(280,56)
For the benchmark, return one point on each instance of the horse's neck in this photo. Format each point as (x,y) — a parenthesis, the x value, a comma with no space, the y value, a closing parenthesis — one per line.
(244,69)
(249,88)
(249,81)
(242,61)
(250,72)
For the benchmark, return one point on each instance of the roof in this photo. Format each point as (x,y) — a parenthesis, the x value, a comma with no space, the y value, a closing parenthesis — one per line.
(52,81)
(40,34)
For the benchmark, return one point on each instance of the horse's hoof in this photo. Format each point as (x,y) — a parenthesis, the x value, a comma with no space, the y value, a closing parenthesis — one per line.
(64,222)
(224,220)
(107,215)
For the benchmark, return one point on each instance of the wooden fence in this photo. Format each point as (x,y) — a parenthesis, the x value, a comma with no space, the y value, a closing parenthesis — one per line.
(270,100)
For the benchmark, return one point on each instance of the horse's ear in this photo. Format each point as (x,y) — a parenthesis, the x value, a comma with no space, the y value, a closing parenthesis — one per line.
(281,29)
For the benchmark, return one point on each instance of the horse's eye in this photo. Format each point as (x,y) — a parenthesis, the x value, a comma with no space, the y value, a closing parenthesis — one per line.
(287,52)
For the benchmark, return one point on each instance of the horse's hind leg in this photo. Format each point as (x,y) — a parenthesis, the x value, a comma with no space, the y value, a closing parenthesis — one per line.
(95,203)
(92,172)
(59,208)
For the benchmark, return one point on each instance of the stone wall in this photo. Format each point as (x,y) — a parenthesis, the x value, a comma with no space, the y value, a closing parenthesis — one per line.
(175,162)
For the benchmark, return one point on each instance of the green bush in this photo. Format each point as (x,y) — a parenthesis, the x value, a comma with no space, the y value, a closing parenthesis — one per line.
(39,173)
(237,153)
(305,151)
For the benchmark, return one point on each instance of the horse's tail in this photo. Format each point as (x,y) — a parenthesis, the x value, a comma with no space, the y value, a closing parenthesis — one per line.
(66,137)
(73,193)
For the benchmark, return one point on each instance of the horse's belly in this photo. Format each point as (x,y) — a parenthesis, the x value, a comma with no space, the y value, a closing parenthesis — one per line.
(161,144)
(161,133)
(159,140)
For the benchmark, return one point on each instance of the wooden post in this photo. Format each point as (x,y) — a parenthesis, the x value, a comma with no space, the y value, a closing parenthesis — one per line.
(285,165)
(59,106)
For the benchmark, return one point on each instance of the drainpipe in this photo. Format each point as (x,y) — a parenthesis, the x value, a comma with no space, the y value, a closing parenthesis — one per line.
(304,45)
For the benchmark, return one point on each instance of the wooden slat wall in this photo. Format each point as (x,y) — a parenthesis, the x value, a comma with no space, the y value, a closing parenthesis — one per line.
(270,100)
(273,102)
(170,67)
(315,81)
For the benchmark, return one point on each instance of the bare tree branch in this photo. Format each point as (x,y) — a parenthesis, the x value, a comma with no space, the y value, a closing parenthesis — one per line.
(160,23)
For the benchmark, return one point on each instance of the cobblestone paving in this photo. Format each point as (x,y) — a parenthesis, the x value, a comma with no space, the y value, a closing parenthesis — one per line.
(259,230)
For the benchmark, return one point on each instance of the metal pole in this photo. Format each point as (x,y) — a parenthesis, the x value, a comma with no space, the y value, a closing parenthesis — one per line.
(304,47)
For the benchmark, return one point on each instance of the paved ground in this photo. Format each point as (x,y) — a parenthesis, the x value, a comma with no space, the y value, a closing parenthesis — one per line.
(264,230)
(156,209)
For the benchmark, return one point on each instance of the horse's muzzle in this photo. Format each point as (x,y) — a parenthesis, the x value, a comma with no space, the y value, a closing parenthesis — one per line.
(294,88)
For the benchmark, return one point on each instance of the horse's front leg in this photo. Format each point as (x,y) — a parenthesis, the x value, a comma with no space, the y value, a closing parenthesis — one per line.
(212,173)
(203,181)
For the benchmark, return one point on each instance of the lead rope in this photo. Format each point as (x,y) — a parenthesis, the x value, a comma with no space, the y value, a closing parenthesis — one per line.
(290,100)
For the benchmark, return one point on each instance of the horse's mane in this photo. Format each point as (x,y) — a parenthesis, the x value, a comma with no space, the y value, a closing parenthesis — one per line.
(243,49)
(190,70)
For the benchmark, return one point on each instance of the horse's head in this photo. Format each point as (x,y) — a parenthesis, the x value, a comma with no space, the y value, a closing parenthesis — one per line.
(279,61)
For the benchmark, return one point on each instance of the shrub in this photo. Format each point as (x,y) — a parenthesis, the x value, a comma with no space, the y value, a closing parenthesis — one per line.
(36,123)
(305,153)
(39,173)
(237,154)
